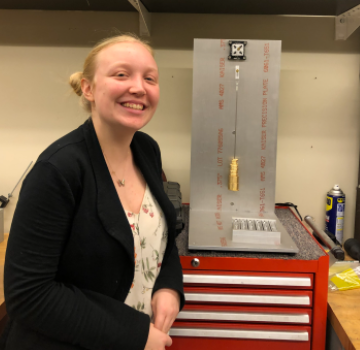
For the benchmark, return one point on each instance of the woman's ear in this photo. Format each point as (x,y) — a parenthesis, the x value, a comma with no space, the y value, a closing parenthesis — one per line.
(87,89)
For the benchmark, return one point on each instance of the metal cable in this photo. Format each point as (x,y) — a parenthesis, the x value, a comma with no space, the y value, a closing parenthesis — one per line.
(236,104)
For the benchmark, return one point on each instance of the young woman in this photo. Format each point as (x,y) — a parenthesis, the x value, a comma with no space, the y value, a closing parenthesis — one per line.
(91,261)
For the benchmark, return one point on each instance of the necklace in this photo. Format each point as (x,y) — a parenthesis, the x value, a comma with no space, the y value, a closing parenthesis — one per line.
(121,183)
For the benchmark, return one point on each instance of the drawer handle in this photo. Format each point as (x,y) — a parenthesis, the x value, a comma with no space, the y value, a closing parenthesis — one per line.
(239,334)
(248,280)
(249,298)
(244,316)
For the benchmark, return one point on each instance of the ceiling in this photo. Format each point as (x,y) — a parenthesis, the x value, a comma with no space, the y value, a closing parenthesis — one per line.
(266,7)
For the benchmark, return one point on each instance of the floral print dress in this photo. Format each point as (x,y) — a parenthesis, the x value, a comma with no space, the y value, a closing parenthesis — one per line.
(150,232)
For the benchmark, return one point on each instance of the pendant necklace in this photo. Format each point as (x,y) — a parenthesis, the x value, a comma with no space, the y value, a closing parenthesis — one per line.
(120,183)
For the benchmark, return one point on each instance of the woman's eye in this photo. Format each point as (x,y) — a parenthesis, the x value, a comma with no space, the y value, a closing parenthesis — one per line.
(121,74)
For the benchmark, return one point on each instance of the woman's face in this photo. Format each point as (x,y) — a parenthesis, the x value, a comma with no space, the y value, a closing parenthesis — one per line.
(125,90)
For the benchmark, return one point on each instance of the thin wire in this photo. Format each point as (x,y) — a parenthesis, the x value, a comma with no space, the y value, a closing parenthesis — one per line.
(236,104)
(10,194)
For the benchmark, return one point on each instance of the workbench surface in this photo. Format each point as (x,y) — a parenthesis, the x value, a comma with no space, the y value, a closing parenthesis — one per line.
(343,312)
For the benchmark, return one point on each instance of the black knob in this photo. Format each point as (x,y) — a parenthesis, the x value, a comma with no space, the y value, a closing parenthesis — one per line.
(352,247)
(195,262)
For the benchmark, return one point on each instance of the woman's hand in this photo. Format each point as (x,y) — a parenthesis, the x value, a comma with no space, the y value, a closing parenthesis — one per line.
(165,305)
(157,340)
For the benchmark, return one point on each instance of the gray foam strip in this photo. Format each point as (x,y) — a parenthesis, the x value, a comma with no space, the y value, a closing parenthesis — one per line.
(308,249)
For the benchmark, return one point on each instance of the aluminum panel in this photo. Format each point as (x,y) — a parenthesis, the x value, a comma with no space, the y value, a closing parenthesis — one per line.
(214,111)
(215,123)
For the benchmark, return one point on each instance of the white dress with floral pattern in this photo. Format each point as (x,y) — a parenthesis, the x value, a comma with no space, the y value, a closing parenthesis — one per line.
(150,232)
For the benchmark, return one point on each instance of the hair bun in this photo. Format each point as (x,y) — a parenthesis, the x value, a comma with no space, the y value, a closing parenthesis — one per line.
(75,82)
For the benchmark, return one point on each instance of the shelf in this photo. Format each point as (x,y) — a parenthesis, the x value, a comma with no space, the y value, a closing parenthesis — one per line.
(259,7)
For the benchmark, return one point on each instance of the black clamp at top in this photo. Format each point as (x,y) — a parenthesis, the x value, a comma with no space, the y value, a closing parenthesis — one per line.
(289,204)
(237,50)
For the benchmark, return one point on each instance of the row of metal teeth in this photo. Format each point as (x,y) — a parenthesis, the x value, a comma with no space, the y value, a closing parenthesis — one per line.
(254,225)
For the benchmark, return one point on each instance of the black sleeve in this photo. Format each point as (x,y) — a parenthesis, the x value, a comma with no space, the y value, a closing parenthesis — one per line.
(34,297)
(170,275)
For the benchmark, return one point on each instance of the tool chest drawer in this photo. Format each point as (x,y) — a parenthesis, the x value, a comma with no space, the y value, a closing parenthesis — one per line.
(246,279)
(195,335)
(243,296)
(245,314)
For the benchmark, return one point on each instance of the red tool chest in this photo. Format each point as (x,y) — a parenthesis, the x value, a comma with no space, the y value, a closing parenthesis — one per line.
(254,302)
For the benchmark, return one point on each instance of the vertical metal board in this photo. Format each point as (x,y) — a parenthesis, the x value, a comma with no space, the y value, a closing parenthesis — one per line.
(209,122)
(213,127)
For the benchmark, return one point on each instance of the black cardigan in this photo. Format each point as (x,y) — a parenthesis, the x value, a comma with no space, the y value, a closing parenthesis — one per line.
(70,255)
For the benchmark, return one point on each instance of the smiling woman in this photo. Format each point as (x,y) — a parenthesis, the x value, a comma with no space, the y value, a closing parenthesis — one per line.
(91,261)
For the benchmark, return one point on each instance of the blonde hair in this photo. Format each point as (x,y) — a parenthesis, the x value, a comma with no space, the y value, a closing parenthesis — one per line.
(90,63)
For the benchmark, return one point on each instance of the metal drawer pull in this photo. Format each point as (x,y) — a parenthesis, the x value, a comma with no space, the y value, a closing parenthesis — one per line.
(239,333)
(248,280)
(248,298)
(244,316)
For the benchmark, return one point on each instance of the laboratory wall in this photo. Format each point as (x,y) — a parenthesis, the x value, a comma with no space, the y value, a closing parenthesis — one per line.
(318,127)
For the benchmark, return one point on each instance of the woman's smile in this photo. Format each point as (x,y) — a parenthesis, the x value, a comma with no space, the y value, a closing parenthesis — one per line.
(130,105)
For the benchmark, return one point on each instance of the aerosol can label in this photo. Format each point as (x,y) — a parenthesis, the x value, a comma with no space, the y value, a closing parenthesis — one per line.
(335,208)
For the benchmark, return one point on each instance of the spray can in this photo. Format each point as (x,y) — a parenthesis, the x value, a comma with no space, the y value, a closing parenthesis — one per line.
(335,208)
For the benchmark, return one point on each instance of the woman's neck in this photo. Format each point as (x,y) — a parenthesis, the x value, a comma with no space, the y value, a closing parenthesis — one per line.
(114,140)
